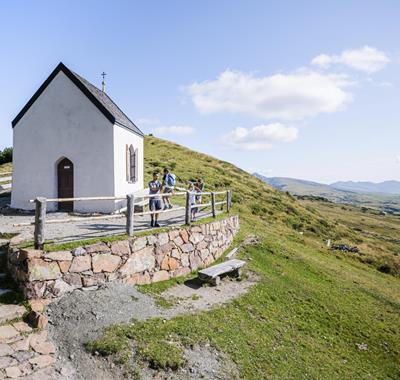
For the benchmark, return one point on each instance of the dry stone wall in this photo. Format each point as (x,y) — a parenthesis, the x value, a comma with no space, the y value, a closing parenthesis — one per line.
(138,260)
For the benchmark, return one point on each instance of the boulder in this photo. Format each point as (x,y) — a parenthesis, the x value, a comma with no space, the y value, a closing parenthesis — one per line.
(138,244)
(120,248)
(81,264)
(58,256)
(105,263)
(9,312)
(97,248)
(40,270)
(139,262)
(161,275)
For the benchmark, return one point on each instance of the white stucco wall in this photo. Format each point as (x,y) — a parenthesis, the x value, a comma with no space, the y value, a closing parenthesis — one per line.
(63,123)
(123,137)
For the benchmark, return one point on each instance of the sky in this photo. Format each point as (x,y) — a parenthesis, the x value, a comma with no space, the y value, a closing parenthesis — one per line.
(303,89)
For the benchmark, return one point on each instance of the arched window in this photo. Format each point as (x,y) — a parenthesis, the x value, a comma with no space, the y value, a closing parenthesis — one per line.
(132,164)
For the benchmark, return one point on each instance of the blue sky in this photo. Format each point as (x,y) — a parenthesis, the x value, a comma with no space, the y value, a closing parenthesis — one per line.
(304,89)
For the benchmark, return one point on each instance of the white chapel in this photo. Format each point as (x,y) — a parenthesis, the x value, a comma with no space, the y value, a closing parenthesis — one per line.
(70,141)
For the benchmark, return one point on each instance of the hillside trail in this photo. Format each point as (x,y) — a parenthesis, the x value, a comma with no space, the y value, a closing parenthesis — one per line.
(82,316)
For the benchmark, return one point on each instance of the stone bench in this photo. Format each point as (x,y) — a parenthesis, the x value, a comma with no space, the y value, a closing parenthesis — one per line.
(213,274)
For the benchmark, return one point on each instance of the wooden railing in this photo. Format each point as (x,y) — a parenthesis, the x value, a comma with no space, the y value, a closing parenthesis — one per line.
(130,214)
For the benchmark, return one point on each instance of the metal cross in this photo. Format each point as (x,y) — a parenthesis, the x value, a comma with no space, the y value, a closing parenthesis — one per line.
(103,74)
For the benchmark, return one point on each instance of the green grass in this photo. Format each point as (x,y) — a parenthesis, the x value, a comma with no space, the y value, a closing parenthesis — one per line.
(311,307)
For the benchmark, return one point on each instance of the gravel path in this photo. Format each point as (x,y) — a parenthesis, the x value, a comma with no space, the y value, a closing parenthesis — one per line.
(63,232)
(82,316)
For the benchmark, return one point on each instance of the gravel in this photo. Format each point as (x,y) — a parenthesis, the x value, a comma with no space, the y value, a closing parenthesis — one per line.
(81,316)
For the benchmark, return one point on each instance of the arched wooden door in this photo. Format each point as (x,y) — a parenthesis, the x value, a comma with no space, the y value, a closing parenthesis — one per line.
(65,175)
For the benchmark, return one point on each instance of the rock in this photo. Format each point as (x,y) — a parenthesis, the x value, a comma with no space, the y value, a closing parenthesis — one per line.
(7,361)
(196,237)
(38,337)
(120,248)
(64,266)
(9,312)
(105,263)
(194,261)
(44,348)
(28,254)
(7,332)
(38,305)
(21,345)
(74,279)
(165,263)
(173,263)
(151,239)
(81,264)
(181,272)
(97,248)
(178,241)
(176,254)
(184,235)
(163,238)
(25,368)
(204,253)
(37,320)
(161,275)
(22,327)
(61,287)
(173,234)
(139,243)
(13,372)
(5,350)
(95,280)
(202,245)
(58,256)
(138,279)
(139,262)
(40,270)
(188,247)
(35,289)
(185,259)
(80,251)
(166,248)
(42,361)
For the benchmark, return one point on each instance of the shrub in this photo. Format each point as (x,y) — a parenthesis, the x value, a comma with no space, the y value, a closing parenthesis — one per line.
(6,155)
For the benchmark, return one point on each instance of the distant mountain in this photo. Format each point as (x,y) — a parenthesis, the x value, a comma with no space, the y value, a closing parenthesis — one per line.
(385,202)
(386,187)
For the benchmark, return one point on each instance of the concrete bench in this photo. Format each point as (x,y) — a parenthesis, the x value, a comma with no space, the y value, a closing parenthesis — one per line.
(213,274)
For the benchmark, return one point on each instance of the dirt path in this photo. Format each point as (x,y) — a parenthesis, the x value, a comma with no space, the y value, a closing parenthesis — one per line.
(82,316)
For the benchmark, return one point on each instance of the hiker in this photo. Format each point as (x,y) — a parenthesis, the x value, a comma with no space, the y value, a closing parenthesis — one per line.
(199,187)
(192,201)
(155,202)
(169,181)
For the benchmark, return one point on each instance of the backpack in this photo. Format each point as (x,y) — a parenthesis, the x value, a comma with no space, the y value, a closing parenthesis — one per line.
(170,180)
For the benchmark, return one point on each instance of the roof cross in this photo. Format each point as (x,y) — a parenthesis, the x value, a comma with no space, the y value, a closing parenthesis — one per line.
(103,83)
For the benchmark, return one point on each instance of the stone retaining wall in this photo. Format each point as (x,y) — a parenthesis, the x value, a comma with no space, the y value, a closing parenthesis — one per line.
(138,260)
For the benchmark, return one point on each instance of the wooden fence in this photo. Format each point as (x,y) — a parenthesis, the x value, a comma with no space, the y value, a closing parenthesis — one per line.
(130,214)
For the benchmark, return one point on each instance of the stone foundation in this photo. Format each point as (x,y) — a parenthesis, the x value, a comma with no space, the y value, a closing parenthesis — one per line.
(138,260)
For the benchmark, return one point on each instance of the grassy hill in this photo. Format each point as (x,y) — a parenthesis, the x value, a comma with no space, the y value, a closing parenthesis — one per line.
(314,314)
(383,202)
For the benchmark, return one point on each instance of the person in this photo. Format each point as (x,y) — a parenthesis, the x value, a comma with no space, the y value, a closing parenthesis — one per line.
(169,181)
(155,202)
(199,187)
(192,201)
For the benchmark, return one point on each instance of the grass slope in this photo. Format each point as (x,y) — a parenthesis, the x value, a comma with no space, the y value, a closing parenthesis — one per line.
(311,314)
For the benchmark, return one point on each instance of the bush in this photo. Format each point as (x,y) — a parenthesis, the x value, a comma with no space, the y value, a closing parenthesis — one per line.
(6,155)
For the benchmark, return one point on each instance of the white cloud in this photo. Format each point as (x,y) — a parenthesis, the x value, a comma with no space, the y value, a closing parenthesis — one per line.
(281,96)
(173,130)
(366,59)
(259,137)
(398,159)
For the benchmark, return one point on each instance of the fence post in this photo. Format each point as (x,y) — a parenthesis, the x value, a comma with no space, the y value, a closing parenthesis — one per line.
(214,213)
(188,210)
(130,211)
(228,200)
(40,222)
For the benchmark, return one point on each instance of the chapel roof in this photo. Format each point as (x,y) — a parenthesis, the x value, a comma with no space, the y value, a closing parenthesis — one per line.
(99,98)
